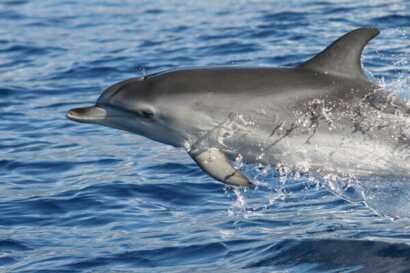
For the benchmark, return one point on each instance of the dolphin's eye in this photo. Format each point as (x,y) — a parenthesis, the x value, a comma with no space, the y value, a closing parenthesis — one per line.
(148,114)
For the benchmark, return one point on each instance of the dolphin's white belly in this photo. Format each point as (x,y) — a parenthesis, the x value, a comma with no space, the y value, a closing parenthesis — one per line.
(339,151)
(350,156)
(330,153)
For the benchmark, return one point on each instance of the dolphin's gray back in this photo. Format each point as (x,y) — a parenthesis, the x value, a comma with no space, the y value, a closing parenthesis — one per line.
(335,73)
(246,89)
(334,76)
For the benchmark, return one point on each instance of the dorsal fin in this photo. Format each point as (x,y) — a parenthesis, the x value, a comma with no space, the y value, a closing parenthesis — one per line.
(342,57)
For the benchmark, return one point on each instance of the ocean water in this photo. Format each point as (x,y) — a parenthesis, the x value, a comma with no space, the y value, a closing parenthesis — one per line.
(84,198)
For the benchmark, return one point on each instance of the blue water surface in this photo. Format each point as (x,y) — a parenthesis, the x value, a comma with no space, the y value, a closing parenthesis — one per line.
(84,198)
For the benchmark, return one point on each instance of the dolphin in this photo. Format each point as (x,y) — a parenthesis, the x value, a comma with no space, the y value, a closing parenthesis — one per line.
(324,114)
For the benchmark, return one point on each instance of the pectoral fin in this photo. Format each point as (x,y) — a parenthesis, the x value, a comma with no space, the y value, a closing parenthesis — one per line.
(215,163)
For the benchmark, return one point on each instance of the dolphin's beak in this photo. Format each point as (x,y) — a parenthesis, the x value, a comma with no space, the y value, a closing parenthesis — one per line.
(87,114)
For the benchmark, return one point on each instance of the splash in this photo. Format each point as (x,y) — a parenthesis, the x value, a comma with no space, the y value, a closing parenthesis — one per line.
(385,195)
(401,83)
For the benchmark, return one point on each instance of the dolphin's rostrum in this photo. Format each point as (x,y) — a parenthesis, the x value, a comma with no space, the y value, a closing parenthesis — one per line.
(319,112)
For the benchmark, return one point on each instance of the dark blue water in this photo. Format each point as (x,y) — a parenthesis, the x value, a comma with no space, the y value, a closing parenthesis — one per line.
(83,198)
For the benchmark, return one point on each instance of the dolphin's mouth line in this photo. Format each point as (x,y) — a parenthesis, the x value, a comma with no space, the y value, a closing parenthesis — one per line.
(99,112)
(87,114)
